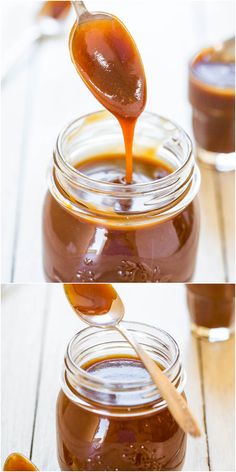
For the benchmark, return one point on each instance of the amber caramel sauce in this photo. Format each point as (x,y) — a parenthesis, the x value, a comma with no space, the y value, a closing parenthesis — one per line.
(211,305)
(214,74)
(125,235)
(118,367)
(91,299)
(88,440)
(55,9)
(110,168)
(18,462)
(108,61)
(212,96)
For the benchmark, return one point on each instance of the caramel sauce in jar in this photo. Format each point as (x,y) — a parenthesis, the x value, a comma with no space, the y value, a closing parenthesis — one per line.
(121,244)
(98,229)
(211,305)
(212,96)
(118,216)
(115,425)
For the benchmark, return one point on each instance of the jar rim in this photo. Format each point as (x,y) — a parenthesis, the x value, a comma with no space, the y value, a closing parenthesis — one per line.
(130,384)
(204,84)
(119,188)
(121,399)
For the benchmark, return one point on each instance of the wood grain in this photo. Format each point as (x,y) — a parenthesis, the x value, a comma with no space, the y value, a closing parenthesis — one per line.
(22,331)
(219,382)
(225,194)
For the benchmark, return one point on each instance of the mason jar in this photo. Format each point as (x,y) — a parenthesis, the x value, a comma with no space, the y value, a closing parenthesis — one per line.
(212,97)
(112,418)
(96,231)
(212,310)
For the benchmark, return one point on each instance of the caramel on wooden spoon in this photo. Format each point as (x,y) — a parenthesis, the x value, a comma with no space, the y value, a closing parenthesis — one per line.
(100,305)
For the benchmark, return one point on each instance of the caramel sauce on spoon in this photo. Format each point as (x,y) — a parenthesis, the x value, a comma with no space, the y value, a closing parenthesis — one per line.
(107,59)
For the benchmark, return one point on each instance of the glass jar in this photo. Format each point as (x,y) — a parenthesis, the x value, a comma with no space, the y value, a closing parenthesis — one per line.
(112,424)
(99,231)
(213,108)
(212,309)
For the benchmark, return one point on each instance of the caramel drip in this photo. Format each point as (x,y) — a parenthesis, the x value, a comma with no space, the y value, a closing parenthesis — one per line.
(108,61)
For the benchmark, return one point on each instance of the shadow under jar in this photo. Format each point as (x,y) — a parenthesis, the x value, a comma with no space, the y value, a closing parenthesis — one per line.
(212,309)
(102,231)
(110,416)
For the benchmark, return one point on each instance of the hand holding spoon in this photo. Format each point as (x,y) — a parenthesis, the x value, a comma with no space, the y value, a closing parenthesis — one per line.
(100,305)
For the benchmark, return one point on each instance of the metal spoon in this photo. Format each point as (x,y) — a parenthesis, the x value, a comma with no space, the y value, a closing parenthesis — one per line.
(111,319)
(49,22)
(98,68)
(16,461)
(83,14)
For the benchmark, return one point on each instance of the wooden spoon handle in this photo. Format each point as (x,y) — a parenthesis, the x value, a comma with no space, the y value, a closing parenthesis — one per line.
(175,401)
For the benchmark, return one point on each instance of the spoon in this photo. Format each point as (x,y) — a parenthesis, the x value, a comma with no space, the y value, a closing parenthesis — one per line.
(16,461)
(108,61)
(100,305)
(49,23)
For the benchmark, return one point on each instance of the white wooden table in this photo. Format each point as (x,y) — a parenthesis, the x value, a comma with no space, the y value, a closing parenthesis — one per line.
(46,93)
(37,324)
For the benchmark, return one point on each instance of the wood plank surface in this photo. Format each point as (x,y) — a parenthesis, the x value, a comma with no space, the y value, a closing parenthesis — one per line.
(46,93)
(225,184)
(14,133)
(219,390)
(37,326)
(23,325)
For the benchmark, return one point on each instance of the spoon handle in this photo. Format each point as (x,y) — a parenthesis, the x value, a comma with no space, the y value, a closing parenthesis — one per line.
(80,8)
(175,401)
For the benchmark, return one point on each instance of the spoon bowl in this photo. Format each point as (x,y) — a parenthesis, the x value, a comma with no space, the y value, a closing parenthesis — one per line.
(108,61)
(17,461)
(96,304)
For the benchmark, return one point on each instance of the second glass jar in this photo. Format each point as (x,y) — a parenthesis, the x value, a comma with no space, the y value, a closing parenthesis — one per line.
(96,231)
(212,310)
